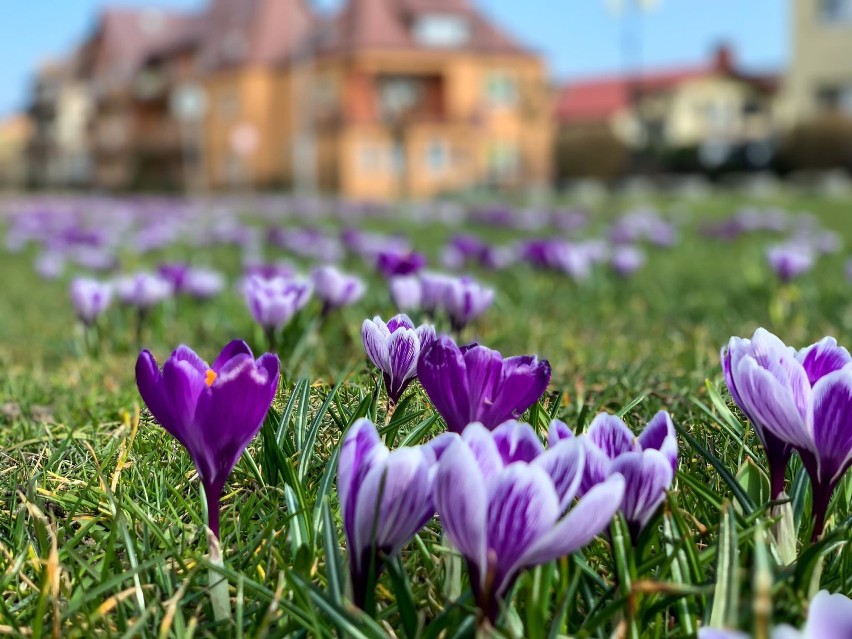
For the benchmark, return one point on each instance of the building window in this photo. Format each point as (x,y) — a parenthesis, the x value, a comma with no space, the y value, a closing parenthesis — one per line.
(398,96)
(442,30)
(437,156)
(836,11)
(836,99)
(500,89)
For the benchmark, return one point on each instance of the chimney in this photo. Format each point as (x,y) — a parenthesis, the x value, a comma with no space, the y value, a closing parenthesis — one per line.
(723,59)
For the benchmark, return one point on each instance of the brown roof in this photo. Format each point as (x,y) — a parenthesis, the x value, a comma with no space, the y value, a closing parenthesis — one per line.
(125,37)
(241,32)
(387,24)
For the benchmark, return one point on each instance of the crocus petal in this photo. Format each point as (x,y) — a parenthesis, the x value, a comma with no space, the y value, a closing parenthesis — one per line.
(823,358)
(481,443)
(232,410)
(517,441)
(557,431)
(362,449)
(829,617)
(484,371)
(611,435)
(442,373)
(461,502)
(564,463)
(525,378)
(400,321)
(522,507)
(647,476)
(660,435)
(770,403)
(403,351)
(393,503)
(156,396)
(832,424)
(582,524)
(596,467)
(375,343)
(231,350)
(439,444)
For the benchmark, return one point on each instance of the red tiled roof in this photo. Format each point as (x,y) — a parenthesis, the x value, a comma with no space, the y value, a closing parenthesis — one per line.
(597,99)
(387,24)
(600,98)
(125,37)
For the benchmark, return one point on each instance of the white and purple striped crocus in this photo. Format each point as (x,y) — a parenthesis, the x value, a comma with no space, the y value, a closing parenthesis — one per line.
(203,283)
(800,400)
(274,301)
(385,498)
(829,617)
(143,290)
(90,298)
(406,292)
(395,349)
(790,260)
(626,259)
(502,500)
(647,463)
(465,299)
(335,288)
(476,384)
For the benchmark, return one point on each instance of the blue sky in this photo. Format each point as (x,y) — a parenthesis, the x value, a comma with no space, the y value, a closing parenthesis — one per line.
(579,37)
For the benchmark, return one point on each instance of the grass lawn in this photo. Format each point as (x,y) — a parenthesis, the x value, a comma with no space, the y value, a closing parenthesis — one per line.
(102,525)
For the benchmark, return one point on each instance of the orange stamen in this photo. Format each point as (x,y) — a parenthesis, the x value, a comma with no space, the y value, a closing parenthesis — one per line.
(211,377)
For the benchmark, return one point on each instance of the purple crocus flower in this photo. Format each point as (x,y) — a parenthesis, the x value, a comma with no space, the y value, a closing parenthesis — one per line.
(501,499)
(627,259)
(213,411)
(790,260)
(335,288)
(829,617)
(273,302)
(395,349)
(385,498)
(476,384)
(143,290)
(406,292)
(433,287)
(465,300)
(90,298)
(392,263)
(203,283)
(175,273)
(803,399)
(647,463)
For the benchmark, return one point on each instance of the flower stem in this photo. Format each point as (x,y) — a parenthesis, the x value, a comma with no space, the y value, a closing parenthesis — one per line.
(219,598)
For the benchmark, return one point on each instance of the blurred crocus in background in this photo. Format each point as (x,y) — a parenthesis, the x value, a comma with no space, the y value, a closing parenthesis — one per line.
(213,411)
(203,283)
(90,298)
(406,293)
(502,499)
(143,290)
(465,299)
(627,259)
(790,260)
(385,498)
(335,288)
(647,462)
(395,349)
(476,384)
(829,617)
(175,273)
(803,400)
(392,263)
(273,302)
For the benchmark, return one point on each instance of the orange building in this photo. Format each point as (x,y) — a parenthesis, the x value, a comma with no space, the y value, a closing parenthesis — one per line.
(388,98)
